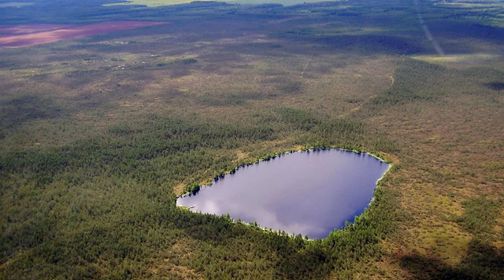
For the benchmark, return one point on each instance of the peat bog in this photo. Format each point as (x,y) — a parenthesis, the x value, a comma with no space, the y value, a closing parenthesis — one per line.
(102,127)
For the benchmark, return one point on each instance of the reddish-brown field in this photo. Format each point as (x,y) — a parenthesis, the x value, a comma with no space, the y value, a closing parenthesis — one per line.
(35,34)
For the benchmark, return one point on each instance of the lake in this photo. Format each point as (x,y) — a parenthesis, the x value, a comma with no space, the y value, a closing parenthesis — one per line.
(308,193)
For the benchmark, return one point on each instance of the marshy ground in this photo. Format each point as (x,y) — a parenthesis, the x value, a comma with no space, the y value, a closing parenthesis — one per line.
(99,134)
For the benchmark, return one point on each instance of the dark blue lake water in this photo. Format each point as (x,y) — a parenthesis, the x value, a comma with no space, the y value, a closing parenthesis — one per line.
(300,193)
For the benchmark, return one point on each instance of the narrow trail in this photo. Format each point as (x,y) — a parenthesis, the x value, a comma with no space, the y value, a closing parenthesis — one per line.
(439,50)
(306,66)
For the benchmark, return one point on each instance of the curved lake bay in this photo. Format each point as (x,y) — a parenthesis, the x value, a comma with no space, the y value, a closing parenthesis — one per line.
(308,193)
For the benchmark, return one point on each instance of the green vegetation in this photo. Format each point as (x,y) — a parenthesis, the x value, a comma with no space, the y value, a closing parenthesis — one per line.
(415,82)
(107,189)
(480,216)
(483,261)
(25,108)
(99,135)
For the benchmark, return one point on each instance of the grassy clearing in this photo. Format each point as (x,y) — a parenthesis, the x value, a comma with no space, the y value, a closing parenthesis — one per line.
(457,59)
(480,216)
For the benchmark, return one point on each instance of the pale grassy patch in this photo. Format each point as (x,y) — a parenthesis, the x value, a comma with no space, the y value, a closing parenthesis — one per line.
(446,241)
(457,58)
(172,262)
(179,189)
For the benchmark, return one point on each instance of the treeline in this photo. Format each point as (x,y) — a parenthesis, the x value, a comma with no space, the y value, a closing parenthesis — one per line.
(126,147)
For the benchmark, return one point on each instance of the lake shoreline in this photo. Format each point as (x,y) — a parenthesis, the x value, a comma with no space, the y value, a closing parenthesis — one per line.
(195,188)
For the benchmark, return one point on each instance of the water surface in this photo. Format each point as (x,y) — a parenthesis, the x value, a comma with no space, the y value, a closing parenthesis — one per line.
(307,193)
